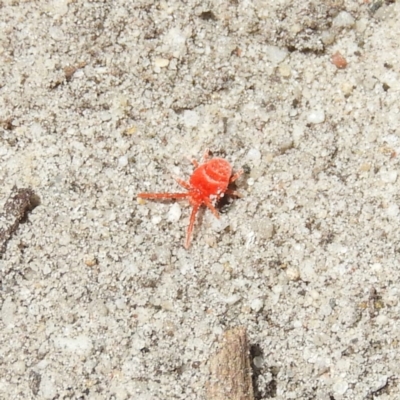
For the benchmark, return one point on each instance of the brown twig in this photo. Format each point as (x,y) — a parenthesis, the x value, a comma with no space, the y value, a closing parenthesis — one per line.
(17,205)
(230,369)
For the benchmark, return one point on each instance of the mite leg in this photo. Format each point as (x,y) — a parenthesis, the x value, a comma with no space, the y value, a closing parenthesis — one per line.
(163,195)
(205,157)
(195,162)
(235,176)
(191,225)
(233,193)
(182,183)
(208,203)
(206,154)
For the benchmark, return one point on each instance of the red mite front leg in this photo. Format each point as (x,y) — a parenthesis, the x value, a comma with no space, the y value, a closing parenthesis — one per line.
(233,179)
(235,176)
(160,196)
(191,225)
(163,195)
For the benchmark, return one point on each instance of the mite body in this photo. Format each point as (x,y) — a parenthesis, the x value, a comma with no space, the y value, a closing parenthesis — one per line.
(207,184)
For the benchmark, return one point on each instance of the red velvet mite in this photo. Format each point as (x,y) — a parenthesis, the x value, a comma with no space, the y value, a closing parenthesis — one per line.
(208,183)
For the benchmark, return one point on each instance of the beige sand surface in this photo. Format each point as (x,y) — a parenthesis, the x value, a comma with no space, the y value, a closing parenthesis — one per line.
(101,100)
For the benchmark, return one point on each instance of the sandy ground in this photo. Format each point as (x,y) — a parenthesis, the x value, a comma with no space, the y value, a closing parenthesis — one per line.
(102,100)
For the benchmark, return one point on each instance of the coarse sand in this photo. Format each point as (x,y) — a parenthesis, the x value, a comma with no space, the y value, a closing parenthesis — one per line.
(101,100)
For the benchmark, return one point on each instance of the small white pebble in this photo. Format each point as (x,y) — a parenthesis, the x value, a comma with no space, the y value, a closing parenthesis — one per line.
(316,117)
(384,12)
(19,367)
(56,33)
(175,41)
(123,161)
(293,274)
(297,324)
(392,210)
(258,361)
(307,271)
(105,116)
(335,328)
(232,299)
(298,133)
(340,386)
(256,305)
(277,289)
(296,28)
(161,62)
(218,225)
(343,20)
(262,228)
(376,267)
(174,213)
(381,382)
(210,240)
(58,7)
(381,320)
(120,393)
(217,268)
(327,37)
(190,118)
(8,311)
(48,388)
(361,25)
(250,181)
(79,345)
(388,176)
(285,70)
(346,88)
(156,219)
(64,239)
(343,364)
(320,339)
(120,303)
(275,54)
(326,309)
(254,155)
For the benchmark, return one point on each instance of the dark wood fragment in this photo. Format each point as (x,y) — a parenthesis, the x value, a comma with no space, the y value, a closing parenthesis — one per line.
(230,369)
(18,204)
